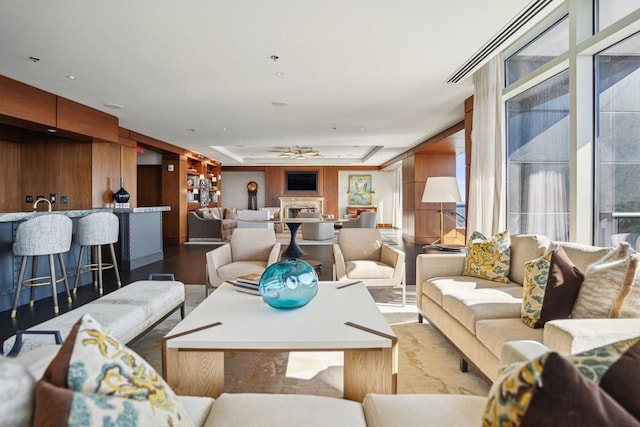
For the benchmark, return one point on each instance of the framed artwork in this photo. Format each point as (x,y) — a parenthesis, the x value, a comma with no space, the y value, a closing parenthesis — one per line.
(360,190)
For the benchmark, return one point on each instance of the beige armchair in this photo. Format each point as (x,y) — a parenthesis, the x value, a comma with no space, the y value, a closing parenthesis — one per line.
(315,231)
(250,250)
(360,254)
(365,220)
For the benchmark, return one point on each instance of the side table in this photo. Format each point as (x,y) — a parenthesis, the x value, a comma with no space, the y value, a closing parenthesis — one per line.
(442,249)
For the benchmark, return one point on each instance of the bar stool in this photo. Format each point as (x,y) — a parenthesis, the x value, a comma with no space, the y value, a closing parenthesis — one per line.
(44,235)
(93,231)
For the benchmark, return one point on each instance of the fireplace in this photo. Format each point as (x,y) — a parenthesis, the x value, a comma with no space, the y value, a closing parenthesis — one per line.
(290,206)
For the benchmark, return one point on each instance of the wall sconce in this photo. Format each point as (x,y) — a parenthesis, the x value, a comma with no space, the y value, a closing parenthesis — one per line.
(218,192)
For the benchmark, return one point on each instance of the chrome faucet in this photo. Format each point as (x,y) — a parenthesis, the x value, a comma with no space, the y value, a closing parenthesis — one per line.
(35,204)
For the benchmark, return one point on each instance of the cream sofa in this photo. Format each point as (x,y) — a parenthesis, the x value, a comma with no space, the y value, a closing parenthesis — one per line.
(478,316)
(18,377)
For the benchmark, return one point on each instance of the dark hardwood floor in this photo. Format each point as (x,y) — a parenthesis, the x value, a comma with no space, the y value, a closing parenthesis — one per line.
(187,263)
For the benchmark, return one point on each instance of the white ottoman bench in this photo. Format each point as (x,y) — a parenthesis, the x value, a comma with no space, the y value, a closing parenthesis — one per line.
(128,313)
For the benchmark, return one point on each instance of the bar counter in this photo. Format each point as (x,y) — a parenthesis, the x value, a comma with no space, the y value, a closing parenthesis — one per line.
(140,243)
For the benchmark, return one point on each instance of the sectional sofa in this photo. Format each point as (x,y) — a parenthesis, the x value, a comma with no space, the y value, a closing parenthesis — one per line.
(478,316)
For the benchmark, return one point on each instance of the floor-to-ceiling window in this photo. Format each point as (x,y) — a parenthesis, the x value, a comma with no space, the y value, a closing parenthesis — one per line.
(572,124)
(538,159)
(618,142)
(537,138)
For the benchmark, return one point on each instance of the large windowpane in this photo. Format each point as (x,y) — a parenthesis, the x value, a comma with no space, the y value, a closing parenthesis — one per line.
(550,44)
(609,11)
(538,159)
(618,143)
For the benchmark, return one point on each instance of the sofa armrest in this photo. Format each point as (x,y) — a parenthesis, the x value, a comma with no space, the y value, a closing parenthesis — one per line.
(521,351)
(395,258)
(339,268)
(215,259)
(437,265)
(571,336)
(274,255)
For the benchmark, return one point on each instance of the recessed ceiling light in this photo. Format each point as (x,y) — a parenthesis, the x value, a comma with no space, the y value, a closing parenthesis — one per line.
(71,77)
(361,128)
(225,129)
(114,106)
(279,103)
(279,73)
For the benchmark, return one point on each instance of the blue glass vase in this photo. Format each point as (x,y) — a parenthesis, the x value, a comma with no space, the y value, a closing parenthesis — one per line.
(290,283)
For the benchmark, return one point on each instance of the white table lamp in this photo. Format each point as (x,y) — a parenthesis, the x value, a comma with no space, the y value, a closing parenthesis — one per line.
(441,189)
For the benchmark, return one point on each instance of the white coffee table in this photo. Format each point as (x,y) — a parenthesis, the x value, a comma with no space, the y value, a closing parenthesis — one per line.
(342,317)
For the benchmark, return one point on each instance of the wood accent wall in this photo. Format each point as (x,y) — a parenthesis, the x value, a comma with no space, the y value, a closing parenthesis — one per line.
(174,194)
(10,174)
(434,157)
(42,160)
(149,185)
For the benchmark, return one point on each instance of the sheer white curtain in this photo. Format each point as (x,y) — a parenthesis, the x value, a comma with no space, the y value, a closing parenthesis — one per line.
(547,204)
(486,183)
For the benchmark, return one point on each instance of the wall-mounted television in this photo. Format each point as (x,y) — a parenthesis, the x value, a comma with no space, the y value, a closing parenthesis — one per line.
(301,181)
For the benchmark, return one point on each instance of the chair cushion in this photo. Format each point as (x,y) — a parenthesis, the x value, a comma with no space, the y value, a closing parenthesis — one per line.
(366,269)
(240,268)
(437,287)
(493,333)
(470,306)
(266,410)
(410,410)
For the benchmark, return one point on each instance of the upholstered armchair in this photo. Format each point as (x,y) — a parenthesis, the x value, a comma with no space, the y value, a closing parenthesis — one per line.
(365,220)
(360,254)
(315,231)
(250,250)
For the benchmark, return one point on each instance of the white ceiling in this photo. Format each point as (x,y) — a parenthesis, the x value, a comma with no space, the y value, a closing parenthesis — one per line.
(364,80)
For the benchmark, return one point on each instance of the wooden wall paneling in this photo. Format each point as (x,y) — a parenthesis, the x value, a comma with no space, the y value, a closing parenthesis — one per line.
(43,158)
(427,217)
(129,171)
(26,102)
(11,178)
(84,120)
(174,195)
(149,185)
(105,180)
(330,190)
(273,178)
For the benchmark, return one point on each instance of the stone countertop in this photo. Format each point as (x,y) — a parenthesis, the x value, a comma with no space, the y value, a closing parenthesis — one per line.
(22,216)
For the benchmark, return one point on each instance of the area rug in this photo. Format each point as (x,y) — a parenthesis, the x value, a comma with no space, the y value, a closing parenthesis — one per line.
(427,363)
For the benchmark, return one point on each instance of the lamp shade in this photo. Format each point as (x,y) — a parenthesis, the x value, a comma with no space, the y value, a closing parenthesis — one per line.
(441,189)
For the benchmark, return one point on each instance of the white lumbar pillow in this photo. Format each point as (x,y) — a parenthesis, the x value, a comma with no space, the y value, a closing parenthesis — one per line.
(16,393)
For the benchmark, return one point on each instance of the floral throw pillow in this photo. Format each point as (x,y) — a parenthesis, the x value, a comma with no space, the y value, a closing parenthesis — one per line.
(594,388)
(550,288)
(95,380)
(488,258)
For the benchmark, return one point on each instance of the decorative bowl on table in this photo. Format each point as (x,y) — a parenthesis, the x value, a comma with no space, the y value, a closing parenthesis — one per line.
(290,283)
